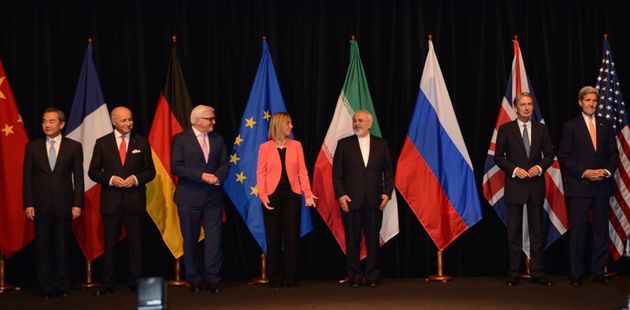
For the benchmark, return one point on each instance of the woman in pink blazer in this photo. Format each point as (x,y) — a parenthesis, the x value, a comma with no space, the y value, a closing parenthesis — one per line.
(282,179)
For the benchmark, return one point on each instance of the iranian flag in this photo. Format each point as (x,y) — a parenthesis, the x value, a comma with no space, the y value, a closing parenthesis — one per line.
(354,96)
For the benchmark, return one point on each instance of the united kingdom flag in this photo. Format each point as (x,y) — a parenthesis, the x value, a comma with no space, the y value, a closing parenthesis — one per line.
(612,107)
(556,220)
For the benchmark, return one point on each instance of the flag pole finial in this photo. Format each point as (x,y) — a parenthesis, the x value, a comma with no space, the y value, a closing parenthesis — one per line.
(264,38)
(353,37)
(430,37)
(605,36)
(516,37)
(174,38)
(90,41)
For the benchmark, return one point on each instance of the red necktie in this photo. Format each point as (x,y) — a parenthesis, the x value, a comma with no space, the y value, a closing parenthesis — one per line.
(122,150)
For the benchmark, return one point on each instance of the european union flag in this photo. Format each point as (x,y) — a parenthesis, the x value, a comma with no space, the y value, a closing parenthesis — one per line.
(265,99)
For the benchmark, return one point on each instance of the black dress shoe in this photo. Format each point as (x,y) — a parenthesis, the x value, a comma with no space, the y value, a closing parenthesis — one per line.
(352,284)
(542,281)
(195,287)
(374,284)
(108,290)
(62,293)
(48,295)
(602,279)
(575,281)
(214,288)
(512,281)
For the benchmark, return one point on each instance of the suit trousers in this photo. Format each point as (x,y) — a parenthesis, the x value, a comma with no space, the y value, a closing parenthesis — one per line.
(579,209)
(112,226)
(515,238)
(190,222)
(52,239)
(368,221)
(283,224)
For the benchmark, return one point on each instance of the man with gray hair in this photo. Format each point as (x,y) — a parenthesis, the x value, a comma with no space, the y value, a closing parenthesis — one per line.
(199,158)
(588,155)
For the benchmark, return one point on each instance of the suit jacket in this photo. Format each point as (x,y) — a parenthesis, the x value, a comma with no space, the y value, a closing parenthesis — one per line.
(106,163)
(351,177)
(188,163)
(510,153)
(269,169)
(576,154)
(55,190)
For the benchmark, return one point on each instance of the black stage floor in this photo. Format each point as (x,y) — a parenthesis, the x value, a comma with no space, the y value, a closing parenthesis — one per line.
(461,293)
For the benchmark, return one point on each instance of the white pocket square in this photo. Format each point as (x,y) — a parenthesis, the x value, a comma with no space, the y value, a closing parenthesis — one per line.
(136,151)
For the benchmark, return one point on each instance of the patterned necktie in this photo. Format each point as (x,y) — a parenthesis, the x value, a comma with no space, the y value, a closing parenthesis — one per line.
(592,132)
(204,146)
(526,140)
(52,155)
(122,149)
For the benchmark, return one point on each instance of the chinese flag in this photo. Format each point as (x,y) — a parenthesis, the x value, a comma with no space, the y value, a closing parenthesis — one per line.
(16,231)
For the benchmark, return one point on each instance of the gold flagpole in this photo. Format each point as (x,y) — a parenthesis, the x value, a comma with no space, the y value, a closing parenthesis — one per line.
(440,276)
(178,281)
(263,272)
(89,279)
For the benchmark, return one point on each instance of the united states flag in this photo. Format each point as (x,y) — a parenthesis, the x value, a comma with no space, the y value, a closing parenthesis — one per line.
(556,219)
(612,107)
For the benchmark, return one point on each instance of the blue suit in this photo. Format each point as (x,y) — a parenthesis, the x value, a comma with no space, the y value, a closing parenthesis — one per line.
(576,154)
(198,200)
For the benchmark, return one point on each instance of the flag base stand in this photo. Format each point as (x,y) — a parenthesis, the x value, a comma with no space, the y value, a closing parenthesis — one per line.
(440,276)
(610,274)
(527,274)
(89,281)
(263,272)
(178,275)
(4,287)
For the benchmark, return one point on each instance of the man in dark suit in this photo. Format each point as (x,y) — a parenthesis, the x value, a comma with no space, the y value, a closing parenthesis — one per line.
(363,178)
(588,155)
(199,158)
(122,164)
(53,196)
(524,151)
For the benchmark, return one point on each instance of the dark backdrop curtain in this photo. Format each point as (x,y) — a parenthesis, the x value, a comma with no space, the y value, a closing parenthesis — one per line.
(42,44)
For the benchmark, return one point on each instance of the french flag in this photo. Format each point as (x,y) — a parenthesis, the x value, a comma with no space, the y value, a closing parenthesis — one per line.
(434,172)
(88,121)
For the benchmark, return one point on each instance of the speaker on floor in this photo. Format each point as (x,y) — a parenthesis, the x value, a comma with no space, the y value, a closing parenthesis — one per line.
(151,294)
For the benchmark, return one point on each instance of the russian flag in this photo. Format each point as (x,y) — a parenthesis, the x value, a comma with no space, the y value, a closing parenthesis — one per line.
(88,121)
(434,172)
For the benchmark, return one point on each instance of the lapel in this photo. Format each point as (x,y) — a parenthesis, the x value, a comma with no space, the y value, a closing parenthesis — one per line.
(599,131)
(536,132)
(372,153)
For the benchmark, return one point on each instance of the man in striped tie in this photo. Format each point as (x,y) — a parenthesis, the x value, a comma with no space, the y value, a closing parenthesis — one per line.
(588,155)
(524,151)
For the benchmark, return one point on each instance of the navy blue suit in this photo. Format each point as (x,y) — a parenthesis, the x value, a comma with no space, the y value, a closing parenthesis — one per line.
(198,200)
(576,154)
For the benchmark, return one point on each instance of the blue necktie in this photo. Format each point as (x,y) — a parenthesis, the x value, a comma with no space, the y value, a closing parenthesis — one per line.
(52,155)
(526,140)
